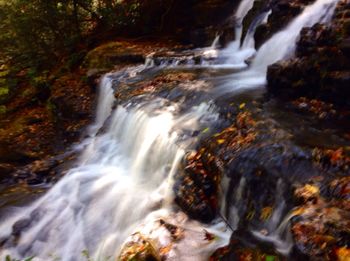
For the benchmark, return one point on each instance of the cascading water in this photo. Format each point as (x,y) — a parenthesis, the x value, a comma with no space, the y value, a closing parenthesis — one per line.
(241,12)
(249,41)
(232,54)
(280,46)
(124,178)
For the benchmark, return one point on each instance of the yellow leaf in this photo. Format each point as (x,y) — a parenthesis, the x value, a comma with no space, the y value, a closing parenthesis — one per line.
(312,189)
(343,254)
(298,212)
(220,141)
(205,130)
(266,213)
(242,105)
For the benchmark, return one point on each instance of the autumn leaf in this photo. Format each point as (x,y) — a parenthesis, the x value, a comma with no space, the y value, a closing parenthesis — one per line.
(220,141)
(242,105)
(205,130)
(208,236)
(343,254)
(336,156)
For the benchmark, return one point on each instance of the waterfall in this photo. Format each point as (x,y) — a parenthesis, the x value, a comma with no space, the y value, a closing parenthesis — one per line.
(249,41)
(123,181)
(240,14)
(282,44)
(231,54)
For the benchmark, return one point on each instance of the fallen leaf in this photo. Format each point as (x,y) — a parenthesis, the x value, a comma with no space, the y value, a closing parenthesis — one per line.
(242,105)
(220,141)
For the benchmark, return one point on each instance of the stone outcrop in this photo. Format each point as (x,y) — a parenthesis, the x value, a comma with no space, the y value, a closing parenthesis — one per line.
(321,68)
(198,22)
(282,12)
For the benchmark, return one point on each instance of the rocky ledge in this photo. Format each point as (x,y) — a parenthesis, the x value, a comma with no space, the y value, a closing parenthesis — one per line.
(42,118)
(321,68)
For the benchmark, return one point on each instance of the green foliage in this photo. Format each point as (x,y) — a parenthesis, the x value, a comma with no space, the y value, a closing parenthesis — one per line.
(41,39)
(86,254)
(3,109)
(35,33)
(9,258)
(38,33)
(6,85)
(4,91)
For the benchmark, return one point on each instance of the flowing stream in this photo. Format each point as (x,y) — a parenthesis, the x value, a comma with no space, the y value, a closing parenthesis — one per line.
(123,182)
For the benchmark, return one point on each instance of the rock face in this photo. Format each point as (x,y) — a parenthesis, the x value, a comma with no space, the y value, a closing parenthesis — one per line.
(197,187)
(267,177)
(282,12)
(200,20)
(321,68)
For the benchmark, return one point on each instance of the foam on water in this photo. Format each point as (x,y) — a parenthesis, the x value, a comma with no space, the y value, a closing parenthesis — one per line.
(125,175)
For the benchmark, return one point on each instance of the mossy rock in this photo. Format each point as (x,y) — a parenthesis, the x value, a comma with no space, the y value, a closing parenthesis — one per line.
(112,54)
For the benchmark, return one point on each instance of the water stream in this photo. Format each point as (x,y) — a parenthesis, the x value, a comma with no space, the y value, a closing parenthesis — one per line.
(123,182)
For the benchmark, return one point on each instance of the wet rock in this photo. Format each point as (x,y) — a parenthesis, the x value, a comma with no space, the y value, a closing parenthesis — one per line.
(321,227)
(263,175)
(106,56)
(197,187)
(340,188)
(320,109)
(201,21)
(117,54)
(321,67)
(335,160)
(239,250)
(169,85)
(218,12)
(5,169)
(174,236)
(39,120)
(43,170)
(139,248)
(19,226)
(345,46)
(282,12)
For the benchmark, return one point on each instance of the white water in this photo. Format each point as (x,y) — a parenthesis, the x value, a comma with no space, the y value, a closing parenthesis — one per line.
(123,183)
(277,227)
(249,41)
(232,54)
(282,45)
(279,47)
